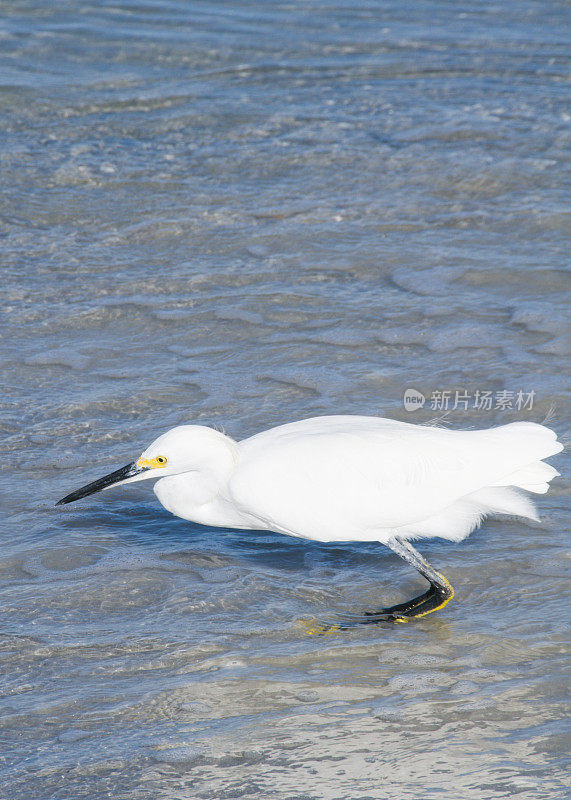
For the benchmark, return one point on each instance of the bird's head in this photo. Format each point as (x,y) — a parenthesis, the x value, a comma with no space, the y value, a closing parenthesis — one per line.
(188,448)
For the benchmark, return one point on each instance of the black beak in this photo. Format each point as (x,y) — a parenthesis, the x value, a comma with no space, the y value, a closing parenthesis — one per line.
(102,483)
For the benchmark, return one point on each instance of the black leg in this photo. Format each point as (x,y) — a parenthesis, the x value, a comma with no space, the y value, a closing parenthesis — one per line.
(436,597)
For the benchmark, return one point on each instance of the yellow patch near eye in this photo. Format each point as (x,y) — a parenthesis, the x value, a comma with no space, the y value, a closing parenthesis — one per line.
(152,463)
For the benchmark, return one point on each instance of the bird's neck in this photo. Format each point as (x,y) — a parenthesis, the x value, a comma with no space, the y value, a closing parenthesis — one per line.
(191,494)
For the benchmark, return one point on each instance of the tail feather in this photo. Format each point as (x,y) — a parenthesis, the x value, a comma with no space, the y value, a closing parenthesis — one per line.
(528,440)
(536,488)
(530,443)
(526,444)
(503,500)
(537,474)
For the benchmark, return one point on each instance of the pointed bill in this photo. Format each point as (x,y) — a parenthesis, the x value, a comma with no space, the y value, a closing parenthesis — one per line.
(128,471)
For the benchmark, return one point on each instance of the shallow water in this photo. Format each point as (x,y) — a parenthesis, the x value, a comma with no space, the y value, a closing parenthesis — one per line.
(243,214)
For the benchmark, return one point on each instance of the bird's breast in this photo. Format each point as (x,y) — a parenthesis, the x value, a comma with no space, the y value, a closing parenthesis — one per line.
(200,498)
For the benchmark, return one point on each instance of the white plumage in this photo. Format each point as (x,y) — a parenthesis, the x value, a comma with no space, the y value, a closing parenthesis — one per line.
(350,478)
(347,477)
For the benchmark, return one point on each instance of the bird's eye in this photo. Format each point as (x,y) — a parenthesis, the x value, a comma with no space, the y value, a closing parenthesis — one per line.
(161,460)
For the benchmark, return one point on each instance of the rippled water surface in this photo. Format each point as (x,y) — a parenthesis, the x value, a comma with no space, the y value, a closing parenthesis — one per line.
(242,214)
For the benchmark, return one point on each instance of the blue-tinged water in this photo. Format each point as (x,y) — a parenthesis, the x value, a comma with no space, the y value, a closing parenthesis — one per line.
(242,214)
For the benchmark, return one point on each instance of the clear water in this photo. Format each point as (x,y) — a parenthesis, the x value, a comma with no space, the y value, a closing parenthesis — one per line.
(243,214)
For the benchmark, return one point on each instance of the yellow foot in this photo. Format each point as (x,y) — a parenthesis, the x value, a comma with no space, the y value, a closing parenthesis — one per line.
(315,628)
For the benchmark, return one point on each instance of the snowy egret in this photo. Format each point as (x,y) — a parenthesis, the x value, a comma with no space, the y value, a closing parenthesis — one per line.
(341,478)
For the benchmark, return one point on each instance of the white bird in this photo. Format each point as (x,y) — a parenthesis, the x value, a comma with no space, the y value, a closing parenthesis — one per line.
(342,478)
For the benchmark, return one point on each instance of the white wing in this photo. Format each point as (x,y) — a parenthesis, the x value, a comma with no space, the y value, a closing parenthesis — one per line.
(337,478)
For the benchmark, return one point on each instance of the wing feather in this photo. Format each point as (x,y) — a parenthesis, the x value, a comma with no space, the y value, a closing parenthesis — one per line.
(335,478)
